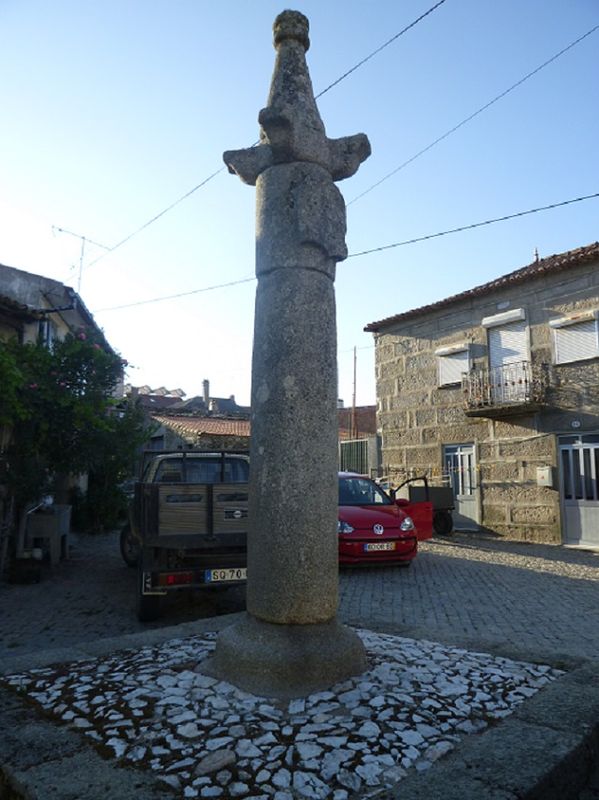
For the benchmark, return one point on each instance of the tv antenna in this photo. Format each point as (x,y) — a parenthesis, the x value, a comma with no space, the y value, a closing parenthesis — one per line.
(84,239)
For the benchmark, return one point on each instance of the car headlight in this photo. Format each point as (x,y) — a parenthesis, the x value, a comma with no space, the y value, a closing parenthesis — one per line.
(407,524)
(344,527)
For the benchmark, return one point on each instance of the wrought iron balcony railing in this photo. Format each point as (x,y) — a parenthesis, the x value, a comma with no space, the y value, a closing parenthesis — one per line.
(506,388)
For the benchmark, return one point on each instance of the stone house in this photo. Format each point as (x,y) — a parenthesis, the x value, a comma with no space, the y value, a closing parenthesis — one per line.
(496,391)
(33,307)
(174,430)
(174,400)
(204,433)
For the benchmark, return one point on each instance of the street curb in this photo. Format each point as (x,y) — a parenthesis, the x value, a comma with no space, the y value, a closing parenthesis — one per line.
(545,750)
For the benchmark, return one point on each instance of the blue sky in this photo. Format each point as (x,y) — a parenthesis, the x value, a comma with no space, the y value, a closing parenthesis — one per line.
(114,110)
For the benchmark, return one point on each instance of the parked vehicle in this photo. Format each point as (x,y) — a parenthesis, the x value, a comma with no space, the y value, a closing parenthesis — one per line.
(373,527)
(188,524)
(440,497)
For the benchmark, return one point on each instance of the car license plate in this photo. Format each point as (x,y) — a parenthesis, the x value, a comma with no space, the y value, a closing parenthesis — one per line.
(372,546)
(225,574)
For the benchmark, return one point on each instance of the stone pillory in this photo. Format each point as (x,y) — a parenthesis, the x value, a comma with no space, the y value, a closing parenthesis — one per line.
(290,642)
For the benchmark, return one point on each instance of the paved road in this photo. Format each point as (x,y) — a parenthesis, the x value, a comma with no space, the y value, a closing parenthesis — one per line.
(91,596)
(465,590)
(520,600)
(484,592)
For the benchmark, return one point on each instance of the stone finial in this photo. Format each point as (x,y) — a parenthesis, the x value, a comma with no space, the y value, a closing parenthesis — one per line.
(291,127)
(291,25)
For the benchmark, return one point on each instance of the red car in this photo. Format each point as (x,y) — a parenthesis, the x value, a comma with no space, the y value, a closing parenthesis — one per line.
(374,527)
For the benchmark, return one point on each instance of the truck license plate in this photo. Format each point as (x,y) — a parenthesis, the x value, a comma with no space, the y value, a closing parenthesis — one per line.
(226,574)
(379,546)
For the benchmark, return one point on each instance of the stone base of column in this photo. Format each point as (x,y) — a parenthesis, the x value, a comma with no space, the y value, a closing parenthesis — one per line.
(286,661)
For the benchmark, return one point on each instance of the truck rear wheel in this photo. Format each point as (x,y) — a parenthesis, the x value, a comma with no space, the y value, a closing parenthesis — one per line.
(442,523)
(130,546)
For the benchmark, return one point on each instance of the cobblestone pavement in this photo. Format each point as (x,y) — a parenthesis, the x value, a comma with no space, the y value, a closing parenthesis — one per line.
(464,590)
(92,596)
(481,592)
(515,599)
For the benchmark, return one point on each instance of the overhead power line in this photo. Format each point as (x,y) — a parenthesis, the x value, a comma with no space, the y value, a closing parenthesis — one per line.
(155,217)
(180,294)
(221,169)
(473,115)
(382,47)
(366,252)
(473,225)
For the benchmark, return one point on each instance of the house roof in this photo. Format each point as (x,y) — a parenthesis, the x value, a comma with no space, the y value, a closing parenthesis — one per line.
(16,309)
(41,296)
(196,426)
(552,264)
(193,427)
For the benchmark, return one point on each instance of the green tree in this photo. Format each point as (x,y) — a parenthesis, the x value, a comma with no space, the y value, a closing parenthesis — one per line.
(64,419)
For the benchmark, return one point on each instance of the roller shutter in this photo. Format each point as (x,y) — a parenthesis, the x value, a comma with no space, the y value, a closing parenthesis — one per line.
(576,342)
(451,367)
(508,344)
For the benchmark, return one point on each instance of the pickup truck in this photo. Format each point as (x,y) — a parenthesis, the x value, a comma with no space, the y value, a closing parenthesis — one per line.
(188,524)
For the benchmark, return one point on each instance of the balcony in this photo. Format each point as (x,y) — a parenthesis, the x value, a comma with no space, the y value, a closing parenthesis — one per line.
(511,389)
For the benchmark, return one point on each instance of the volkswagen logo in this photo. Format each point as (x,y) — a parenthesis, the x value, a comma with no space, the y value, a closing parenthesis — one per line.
(378,529)
(237,514)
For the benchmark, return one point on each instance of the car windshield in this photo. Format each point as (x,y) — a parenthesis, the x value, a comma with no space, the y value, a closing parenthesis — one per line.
(361,492)
(202,470)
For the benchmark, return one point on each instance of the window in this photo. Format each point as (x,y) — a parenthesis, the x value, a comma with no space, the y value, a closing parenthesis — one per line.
(361,492)
(508,338)
(47,333)
(576,338)
(451,363)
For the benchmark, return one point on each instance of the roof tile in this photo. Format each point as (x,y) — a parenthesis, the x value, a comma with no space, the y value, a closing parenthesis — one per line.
(554,263)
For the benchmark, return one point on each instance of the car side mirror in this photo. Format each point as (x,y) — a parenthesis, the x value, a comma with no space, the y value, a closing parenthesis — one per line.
(401,501)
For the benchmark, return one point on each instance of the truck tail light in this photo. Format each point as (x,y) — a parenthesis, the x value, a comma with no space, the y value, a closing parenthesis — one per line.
(176,579)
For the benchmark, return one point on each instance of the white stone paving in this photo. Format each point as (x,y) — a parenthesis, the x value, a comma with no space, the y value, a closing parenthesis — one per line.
(154,709)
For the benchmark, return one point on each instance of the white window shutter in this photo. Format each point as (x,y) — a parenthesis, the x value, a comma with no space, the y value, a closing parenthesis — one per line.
(451,367)
(508,344)
(576,342)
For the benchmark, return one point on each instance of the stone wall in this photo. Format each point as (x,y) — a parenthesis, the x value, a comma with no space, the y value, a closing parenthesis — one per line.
(417,418)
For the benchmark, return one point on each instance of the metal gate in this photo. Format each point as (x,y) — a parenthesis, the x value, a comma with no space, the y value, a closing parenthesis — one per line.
(353,456)
(460,471)
(579,479)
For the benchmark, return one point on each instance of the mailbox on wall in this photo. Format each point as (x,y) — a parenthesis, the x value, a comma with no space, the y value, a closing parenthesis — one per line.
(545,476)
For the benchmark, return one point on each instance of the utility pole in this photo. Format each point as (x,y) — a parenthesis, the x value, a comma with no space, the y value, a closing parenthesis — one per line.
(354,424)
(84,239)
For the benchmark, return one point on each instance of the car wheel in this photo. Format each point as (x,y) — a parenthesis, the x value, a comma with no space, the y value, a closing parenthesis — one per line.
(130,546)
(442,523)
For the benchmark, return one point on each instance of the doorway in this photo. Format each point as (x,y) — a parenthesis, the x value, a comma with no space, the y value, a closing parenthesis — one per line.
(459,467)
(579,488)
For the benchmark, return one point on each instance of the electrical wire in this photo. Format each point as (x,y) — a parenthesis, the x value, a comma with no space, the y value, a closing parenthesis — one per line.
(368,252)
(155,218)
(382,47)
(473,115)
(221,169)
(474,225)
(181,294)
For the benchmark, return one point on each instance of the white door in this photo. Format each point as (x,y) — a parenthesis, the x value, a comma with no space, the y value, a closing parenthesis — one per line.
(460,469)
(579,479)
(508,361)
